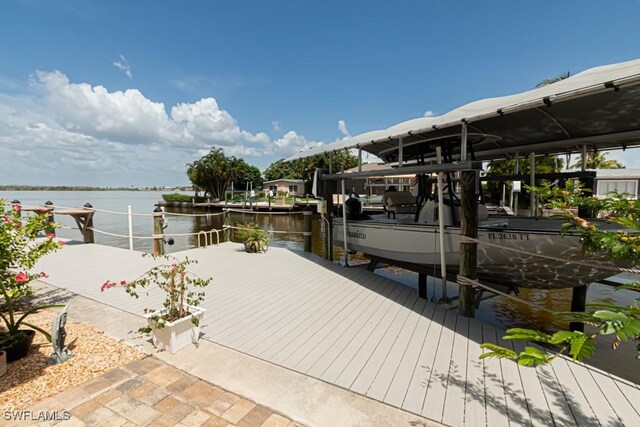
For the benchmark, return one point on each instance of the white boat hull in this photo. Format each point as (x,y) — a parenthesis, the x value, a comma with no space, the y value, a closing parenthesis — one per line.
(419,245)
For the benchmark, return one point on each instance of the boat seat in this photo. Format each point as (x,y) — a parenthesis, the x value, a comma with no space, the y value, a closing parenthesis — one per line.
(398,202)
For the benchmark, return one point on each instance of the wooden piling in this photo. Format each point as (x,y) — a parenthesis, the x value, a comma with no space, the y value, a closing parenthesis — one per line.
(578,304)
(307,215)
(49,228)
(158,232)
(422,285)
(468,251)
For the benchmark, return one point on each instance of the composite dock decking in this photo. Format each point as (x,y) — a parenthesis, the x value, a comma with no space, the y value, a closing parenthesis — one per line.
(363,332)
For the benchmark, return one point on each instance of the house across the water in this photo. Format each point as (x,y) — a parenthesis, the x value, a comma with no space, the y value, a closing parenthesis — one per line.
(293,187)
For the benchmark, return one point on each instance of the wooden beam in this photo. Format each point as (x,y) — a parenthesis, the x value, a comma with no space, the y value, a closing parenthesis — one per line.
(468,251)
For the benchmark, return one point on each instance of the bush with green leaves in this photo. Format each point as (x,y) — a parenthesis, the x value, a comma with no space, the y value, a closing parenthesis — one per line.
(20,250)
(620,322)
(178,284)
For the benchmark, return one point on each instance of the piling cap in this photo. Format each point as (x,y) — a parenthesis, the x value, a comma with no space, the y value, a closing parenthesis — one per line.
(15,202)
(158,209)
(88,205)
(48,203)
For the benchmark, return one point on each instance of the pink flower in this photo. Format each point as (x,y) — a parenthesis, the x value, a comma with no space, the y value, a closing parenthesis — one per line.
(16,207)
(123,283)
(45,275)
(62,242)
(51,235)
(107,285)
(5,219)
(22,278)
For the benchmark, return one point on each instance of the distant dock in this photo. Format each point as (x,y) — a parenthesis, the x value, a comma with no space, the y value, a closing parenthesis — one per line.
(364,333)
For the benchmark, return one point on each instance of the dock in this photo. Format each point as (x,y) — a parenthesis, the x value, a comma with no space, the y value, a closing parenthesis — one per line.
(363,333)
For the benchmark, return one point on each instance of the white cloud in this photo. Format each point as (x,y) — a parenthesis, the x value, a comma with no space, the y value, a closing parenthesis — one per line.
(342,127)
(429,113)
(121,137)
(123,65)
(275,126)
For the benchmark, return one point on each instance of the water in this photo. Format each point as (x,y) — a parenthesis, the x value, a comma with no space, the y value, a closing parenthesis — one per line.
(499,311)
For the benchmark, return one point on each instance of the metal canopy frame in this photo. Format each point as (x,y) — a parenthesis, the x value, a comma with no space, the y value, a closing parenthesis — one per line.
(411,170)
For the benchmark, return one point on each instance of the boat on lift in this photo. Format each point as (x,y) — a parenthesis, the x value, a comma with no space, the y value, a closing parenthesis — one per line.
(593,110)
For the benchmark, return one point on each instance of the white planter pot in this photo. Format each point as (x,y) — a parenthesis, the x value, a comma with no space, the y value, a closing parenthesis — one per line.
(3,363)
(177,335)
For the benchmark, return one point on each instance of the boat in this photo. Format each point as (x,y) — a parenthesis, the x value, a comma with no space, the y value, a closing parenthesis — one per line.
(508,253)
(592,110)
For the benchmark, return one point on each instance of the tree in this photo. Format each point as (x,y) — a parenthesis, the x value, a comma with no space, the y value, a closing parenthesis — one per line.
(304,168)
(553,80)
(623,322)
(543,164)
(215,172)
(598,160)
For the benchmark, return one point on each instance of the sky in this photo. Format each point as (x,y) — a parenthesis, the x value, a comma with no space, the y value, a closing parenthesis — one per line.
(126,93)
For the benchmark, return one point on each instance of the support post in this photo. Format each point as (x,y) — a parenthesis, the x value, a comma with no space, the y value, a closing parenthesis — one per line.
(441,240)
(307,215)
(578,304)
(158,232)
(468,251)
(422,285)
(516,170)
(327,190)
(344,225)
(532,182)
(400,152)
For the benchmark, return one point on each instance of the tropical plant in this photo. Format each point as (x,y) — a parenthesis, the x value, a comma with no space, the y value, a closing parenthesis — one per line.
(552,80)
(20,249)
(543,165)
(178,285)
(305,168)
(215,173)
(598,160)
(254,238)
(621,322)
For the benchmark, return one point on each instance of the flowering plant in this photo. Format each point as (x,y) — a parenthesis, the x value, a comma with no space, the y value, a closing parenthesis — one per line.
(19,252)
(175,281)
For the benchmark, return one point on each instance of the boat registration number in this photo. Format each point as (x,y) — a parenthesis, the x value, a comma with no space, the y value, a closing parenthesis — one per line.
(507,236)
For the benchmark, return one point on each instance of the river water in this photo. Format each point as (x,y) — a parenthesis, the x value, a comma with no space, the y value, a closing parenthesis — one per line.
(501,312)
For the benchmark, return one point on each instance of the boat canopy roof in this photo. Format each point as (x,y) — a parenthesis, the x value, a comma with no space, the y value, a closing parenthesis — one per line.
(598,108)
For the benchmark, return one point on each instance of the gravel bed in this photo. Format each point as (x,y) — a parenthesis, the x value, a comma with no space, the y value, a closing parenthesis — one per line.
(30,379)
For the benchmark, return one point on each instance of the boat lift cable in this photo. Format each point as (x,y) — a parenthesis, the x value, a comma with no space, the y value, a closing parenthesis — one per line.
(466,239)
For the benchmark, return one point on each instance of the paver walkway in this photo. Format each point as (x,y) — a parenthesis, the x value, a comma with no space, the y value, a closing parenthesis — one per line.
(149,392)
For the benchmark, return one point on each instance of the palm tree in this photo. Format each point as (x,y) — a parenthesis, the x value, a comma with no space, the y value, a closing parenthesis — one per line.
(596,160)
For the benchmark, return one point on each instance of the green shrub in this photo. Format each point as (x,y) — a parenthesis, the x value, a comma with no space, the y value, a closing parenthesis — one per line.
(180,198)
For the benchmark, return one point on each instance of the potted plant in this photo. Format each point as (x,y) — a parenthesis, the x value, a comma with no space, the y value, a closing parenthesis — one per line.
(253,237)
(20,249)
(177,324)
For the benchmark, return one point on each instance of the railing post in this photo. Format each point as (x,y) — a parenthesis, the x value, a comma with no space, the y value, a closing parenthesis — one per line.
(307,216)
(130,227)
(17,206)
(227,231)
(87,232)
(158,232)
(50,229)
